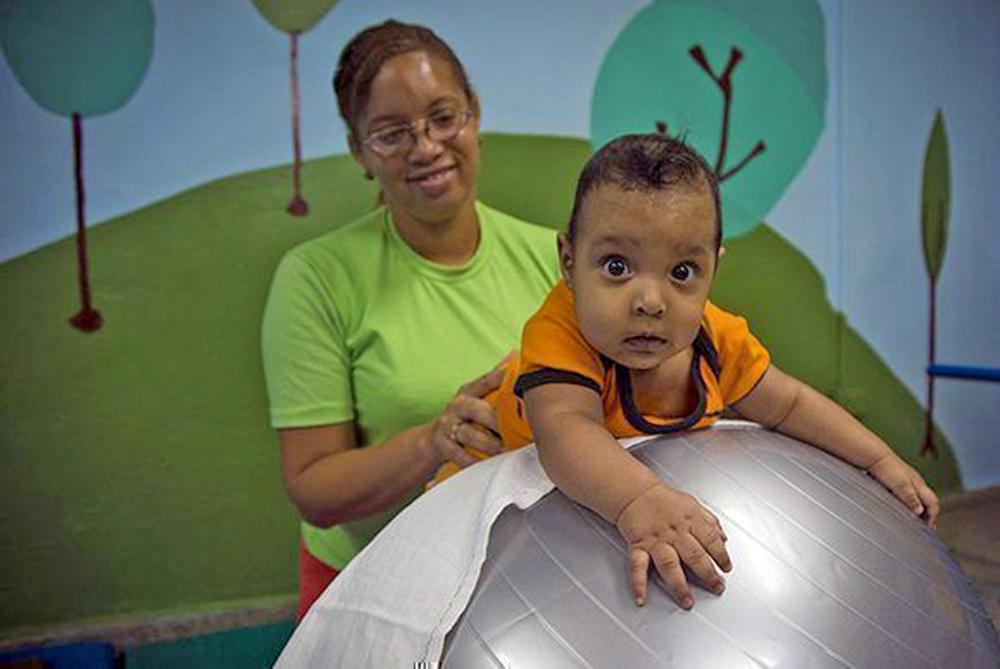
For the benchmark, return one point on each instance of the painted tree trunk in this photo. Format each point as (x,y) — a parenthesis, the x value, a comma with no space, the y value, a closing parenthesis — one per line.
(928,447)
(87,319)
(297,206)
(725,83)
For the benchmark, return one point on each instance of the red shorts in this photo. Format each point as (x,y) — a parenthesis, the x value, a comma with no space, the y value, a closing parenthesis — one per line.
(314,576)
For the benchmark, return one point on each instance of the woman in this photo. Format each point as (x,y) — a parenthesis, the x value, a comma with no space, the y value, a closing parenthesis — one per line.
(369,329)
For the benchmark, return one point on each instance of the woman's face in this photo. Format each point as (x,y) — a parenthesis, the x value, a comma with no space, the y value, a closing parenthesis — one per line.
(430,181)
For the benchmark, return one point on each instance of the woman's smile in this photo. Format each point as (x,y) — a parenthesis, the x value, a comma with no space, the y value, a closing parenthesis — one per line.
(433,183)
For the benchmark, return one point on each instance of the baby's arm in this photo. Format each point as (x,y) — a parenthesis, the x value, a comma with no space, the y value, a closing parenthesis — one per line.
(660,524)
(785,404)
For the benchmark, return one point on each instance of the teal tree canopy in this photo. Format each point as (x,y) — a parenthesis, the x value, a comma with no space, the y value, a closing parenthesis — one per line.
(78,57)
(651,74)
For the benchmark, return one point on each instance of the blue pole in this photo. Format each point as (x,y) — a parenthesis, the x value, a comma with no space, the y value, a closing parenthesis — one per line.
(965,372)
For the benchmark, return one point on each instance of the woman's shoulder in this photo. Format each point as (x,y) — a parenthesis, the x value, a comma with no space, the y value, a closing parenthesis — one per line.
(334,266)
(524,247)
(510,226)
(339,246)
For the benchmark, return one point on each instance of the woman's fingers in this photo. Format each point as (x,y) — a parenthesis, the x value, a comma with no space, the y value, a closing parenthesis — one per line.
(474,410)
(504,361)
(445,441)
(472,435)
(489,381)
(467,422)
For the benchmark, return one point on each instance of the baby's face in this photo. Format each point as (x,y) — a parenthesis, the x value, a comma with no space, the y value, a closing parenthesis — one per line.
(640,270)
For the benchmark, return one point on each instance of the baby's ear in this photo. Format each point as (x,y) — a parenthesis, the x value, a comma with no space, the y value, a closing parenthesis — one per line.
(719,255)
(565,257)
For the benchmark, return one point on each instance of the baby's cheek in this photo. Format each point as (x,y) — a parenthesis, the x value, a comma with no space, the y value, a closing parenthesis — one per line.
(690,322)
(596,330)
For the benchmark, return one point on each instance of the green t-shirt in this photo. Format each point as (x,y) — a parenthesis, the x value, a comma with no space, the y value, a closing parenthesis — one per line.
(358,326)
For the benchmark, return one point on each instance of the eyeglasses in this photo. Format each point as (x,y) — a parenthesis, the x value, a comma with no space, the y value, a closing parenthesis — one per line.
(441,125)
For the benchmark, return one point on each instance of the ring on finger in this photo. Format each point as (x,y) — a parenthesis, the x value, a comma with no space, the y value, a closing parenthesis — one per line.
(454,431)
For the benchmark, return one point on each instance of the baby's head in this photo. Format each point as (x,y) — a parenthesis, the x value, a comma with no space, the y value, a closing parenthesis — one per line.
(642,247)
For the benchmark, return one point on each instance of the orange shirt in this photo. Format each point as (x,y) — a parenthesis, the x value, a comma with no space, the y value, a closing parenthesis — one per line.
(727,364)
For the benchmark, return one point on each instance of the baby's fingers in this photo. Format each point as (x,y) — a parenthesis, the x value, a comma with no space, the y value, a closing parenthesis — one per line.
(668,566)
(931,503)
(693,554)
(639,572)
(713,541)
(711,519)
(907,494)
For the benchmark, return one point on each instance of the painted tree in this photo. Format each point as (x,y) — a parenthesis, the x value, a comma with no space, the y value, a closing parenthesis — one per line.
(725,83)
(658,72)
(935,209)
(78,60)
(295,17)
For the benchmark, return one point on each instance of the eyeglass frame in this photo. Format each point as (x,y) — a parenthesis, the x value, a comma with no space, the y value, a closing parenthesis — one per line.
(411,129)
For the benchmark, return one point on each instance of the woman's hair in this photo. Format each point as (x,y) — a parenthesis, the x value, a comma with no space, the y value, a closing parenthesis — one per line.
(365,54)
(646,163)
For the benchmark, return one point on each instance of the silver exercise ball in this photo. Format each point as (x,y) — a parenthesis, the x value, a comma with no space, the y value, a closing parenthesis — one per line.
(829,570)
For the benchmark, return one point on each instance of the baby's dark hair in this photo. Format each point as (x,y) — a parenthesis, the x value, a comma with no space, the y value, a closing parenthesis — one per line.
(645,163)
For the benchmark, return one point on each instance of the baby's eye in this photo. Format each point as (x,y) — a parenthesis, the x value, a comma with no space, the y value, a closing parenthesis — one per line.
(616,266)
(684,272)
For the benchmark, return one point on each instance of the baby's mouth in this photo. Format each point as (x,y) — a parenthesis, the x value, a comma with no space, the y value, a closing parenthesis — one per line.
(645,342)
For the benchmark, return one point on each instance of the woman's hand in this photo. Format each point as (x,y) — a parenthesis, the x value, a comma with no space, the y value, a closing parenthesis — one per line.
(468,425)
(908,486)
(670,528)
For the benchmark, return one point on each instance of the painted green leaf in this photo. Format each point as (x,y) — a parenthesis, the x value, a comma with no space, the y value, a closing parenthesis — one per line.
(935,202)
(293,16)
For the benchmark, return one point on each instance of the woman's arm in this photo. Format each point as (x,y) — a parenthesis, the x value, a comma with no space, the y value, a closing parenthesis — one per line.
(783,403)
(663,527)
(331,481)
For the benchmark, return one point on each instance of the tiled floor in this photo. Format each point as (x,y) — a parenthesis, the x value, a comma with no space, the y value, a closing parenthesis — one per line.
(970,526)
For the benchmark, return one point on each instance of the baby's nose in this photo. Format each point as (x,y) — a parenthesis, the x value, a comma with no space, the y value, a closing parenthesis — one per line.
(649,302)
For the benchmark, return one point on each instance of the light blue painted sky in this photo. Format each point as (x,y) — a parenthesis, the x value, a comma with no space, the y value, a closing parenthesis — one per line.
(216,97)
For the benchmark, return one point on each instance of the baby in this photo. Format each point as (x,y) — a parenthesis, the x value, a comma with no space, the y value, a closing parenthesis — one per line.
(628,344)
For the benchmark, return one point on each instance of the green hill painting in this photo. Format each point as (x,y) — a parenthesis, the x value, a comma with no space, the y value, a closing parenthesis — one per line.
(139,471)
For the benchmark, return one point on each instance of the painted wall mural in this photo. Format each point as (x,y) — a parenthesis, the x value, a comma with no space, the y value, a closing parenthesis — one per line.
(658,73)
(78,61)
(935,208)
(658,70)
(140,468)
(295,17)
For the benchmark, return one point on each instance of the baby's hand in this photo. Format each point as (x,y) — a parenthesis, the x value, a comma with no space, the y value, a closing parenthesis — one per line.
(669,527)
(905,483)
